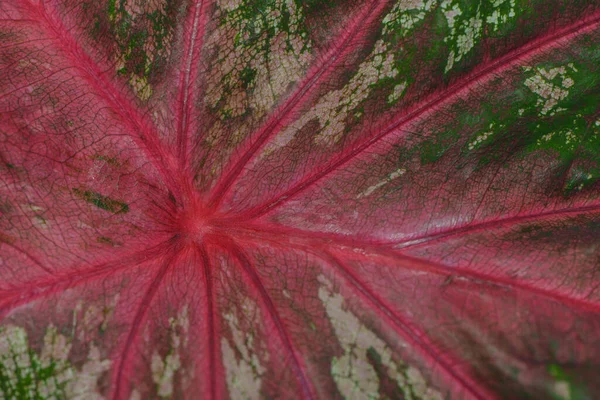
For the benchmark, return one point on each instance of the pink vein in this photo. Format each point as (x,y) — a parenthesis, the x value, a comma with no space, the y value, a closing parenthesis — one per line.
(284,113)
(187,96)
(137,322)
(436,100)
(253,275)
(31,291)
(410,333)
(210,317)
(306,241)
(486,225)
(442,269)
(424,239)
(141,129)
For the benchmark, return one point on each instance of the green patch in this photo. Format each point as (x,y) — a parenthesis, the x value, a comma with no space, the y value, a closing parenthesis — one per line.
(433,149)
(142,38)
(103,202)
(537,232)
(581,180)
(247,77)
(566,387)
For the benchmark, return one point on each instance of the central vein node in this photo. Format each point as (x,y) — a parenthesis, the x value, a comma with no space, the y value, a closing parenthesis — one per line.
(194,223)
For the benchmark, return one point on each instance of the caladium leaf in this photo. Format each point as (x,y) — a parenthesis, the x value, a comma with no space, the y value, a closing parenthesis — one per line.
(244,199)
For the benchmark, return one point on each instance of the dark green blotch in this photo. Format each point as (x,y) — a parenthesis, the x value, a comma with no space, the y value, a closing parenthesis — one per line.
(247,77)
(388,388)
(109,160)
(105,240)
(103,202)
(432,150)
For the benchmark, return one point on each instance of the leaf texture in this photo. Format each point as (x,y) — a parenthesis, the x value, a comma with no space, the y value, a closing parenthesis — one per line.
(248,199)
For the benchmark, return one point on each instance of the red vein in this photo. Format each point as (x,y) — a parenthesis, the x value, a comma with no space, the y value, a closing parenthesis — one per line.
(268,302)
(306,241)
(140,128)
(435,100)
(441,269)
(186,99)
(210,317)
(410,333)
(486,225)
(284,113)
(412,242)
(31,291)
(137,322)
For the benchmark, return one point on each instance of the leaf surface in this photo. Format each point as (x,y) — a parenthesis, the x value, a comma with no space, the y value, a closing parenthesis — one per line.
(245,199)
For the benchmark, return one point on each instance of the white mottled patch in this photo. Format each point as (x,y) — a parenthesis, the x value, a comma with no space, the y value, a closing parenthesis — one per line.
(23,366)
(242,366)
(164,369)
(399,172)
(396,93)
(551,86)
(277,60)
(84,385)
(352,372)
(405,15)
(504,12)
(567,139)
(332,109)
(482,137)
(470,32)
(132,9)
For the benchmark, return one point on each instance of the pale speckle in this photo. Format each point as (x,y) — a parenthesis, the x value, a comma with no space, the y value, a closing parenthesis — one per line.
(482,137)
(550,93)
(562,390)
(135,395)
(465,41)
(504,12)
(396,174)
(465,32)
(450,12)
(244,374)
(397,92)
(565,138)
(352,372)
